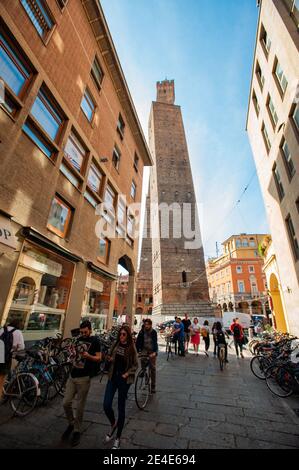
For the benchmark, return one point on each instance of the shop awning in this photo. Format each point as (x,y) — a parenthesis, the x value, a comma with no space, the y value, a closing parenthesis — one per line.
(36,237)
(92,267)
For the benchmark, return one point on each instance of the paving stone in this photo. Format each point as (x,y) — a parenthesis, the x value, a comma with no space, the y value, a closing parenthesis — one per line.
(166,429)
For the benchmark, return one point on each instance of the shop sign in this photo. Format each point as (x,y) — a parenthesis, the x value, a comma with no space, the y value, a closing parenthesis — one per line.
(6,234)
(94,284)
(39,262)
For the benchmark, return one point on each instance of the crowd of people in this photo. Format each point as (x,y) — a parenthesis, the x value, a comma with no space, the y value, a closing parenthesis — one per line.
(122,361)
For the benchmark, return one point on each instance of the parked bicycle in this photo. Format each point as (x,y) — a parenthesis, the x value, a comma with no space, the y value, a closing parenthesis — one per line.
(143,383)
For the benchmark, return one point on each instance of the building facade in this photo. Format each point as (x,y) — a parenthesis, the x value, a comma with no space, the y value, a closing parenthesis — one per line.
(236,278)
(143,298)
(273,130)
(177,268)
(70,140)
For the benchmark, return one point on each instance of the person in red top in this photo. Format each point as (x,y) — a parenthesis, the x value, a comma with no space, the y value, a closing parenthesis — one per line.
(238,333)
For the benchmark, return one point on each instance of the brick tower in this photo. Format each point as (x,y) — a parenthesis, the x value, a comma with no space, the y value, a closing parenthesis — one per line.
(178,270)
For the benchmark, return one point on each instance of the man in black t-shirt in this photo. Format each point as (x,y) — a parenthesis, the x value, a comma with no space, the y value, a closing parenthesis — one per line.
(187,323)
(88,353)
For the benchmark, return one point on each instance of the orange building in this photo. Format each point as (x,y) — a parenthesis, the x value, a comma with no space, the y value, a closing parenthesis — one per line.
(236,278)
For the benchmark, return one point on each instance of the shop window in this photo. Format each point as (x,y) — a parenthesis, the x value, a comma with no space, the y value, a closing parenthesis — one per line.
(60,217)
(41,301)
(40,16)
(96,303)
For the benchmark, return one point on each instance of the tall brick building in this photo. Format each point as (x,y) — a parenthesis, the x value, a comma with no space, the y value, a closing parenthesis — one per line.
(70,139)
(178,270)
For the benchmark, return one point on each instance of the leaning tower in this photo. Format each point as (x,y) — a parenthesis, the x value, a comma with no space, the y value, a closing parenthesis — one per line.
(178,268)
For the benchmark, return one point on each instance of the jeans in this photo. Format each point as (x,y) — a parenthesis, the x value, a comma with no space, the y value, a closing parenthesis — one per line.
(76,386)
(120,384)
(238,345)
(181,346)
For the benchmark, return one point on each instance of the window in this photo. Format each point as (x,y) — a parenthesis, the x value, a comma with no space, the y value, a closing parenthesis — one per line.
(241,287)
(38,139)
(280,76)
(251,242)
(40,16)
(239,269)
(97,73)
(75,152)
(254,288)
(245,242)
(110,198)
(278,182)
(116,157)
(47,114)
(260,76)
(62,3)
(238,243)
(256,103)
(265,41)
(251,269)
(120,126)
(94,179)
(287,158)
(104,250)
(69,175)
(14,68)
(266,137)
(272,111)
(292,236)
(59,217)
(88,105)
(136,160)
(133,190)
(295,116)
(130,225)
(184,277)
(121,214)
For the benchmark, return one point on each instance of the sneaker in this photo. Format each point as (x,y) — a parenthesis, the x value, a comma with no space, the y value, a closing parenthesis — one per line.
(75,439)
(109,436)
(67,432)
(116,444)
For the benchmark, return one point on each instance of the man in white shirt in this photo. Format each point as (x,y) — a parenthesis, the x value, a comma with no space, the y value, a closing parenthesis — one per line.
(18,345)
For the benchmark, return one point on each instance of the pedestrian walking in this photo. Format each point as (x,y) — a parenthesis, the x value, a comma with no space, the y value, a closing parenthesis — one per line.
(78,383)
(220,334)
(187,323)
(11,339)
(121,375)
(214,337)
(147,346)
(238,333)
(195,334)
(205,333)
(175,327)
(179,336)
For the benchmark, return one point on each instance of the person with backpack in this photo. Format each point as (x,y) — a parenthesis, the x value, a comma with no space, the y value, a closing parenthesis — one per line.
(238,334)
(11,339)
(220,334)
(205,333)
(78,384)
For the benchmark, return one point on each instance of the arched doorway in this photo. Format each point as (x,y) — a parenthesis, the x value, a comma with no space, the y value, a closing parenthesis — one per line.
(224,306)
(278,311)
(230,307)
(257,308)
(243,307)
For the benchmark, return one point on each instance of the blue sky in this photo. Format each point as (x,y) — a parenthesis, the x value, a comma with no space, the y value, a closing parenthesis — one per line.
(207,48)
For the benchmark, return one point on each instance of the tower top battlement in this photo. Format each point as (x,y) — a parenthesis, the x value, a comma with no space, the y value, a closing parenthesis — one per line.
(165,92)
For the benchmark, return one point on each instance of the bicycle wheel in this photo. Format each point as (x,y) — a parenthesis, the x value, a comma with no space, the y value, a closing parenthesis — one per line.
(168,349)
(142,389)
(280,381)
(23,393)
(259,365)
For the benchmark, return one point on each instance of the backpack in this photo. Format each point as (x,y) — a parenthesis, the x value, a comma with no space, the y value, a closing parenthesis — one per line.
(236,331)
(6,345)
(220,337)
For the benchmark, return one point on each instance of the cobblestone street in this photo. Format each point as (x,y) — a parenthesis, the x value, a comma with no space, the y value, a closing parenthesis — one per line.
(195,407)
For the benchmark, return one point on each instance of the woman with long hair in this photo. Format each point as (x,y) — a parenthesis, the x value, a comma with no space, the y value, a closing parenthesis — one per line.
(195,334)
(123,365)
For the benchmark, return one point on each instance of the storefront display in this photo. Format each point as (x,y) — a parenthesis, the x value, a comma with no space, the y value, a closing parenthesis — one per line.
(41,292)
(96,302)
